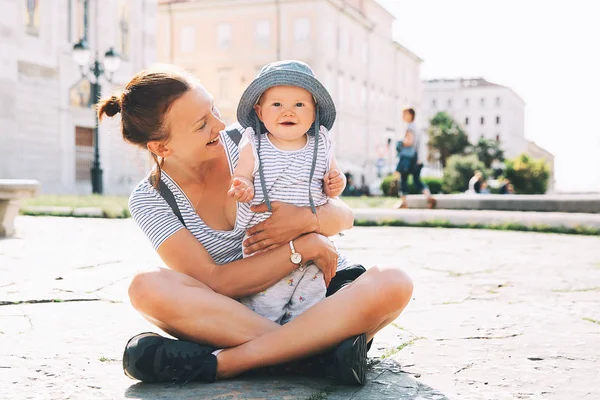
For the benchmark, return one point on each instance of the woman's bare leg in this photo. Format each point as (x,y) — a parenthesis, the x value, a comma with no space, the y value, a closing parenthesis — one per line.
(376,297)
(189,309)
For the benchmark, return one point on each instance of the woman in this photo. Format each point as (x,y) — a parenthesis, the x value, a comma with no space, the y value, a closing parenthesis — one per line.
(171,114)
(409,162)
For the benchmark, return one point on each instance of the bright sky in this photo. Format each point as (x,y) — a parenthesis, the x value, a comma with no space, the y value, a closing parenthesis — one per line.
(548,51)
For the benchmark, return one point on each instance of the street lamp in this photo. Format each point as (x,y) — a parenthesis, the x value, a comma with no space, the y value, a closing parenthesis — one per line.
(111,63)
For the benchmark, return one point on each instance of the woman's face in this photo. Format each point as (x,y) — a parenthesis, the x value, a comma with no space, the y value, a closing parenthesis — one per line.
(194,124)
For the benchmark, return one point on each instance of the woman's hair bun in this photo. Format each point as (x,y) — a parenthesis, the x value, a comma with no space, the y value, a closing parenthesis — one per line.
(111,106)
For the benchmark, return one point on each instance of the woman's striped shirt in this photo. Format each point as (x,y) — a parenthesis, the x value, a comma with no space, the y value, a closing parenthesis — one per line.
(158,221)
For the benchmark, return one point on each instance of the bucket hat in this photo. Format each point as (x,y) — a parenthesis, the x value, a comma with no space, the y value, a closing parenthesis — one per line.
(286,73)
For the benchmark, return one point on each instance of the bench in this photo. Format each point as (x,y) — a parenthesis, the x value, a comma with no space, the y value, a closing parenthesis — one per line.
(12,191)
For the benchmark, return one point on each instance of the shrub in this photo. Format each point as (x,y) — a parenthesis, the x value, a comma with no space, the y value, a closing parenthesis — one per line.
(390,182)
(435,184)
(389,185)
(527,175)
(458,172)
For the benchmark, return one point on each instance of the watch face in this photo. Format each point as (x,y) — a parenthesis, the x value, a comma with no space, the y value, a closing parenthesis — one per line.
(296,258)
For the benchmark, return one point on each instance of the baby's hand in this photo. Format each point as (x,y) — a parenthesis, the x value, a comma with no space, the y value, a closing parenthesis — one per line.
(242,190)
(334,183)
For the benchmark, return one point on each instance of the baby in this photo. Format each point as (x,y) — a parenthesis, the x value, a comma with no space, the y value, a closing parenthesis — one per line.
(286,154)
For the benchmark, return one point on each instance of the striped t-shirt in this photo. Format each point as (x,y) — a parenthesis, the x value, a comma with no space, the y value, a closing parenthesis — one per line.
(287,176)
(286,173)
(158,221)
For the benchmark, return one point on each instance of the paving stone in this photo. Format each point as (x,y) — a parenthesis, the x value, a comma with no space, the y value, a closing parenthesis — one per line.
(494,315)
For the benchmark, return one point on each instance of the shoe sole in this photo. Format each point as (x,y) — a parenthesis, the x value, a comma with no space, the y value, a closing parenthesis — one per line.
(351,361)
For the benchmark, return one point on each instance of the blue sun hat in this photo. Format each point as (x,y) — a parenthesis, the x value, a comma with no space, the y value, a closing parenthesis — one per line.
(286,73)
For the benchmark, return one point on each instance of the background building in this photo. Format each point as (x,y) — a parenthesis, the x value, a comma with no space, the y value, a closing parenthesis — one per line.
(347,43)
(483,109)
(46,118)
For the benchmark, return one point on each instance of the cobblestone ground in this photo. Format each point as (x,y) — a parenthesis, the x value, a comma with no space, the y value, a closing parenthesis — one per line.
(495,315)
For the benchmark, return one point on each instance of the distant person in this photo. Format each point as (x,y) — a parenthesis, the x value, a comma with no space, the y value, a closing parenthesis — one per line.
(485,188)
(351,189)
(409,162)
(506,187)
(475,183)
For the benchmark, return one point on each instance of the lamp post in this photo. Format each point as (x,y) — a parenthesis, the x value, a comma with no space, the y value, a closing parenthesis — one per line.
(111,63)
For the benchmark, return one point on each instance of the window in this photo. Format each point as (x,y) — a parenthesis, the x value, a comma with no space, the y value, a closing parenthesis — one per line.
(433,103)
(363,95)
(498,137)
(75,28)
(32,17)
(224,35)
(187,43)
(224,84)
(482,120)
(84,153)
(466,102)
(329,80)
(482,101)
(449,103)
(124,30)
(302,30)
(350,41)
(497,101)
(340,87)
(466,120)
(343,41)
(263,31)
(498,120)
(80,94)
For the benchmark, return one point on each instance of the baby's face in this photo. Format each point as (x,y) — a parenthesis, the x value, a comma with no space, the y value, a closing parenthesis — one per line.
(287,111)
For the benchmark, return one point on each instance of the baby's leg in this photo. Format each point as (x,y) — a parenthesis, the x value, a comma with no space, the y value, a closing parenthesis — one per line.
(272,303)
(310,290)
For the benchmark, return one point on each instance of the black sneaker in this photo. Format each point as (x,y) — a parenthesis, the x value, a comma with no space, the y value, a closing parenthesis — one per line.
(151,358)
(349,365)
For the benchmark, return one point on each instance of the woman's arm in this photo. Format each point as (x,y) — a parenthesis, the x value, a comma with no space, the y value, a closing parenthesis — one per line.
(183,253)
(288,222)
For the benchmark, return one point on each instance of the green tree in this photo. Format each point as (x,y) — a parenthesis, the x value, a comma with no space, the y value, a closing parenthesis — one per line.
(488,150)
(446,138)
(459,171)
(527,175)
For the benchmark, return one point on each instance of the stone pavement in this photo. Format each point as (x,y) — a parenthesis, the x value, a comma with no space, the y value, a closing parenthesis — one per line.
(495,315)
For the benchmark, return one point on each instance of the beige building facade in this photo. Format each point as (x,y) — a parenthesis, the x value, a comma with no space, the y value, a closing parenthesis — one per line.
(347,43)
(46,117)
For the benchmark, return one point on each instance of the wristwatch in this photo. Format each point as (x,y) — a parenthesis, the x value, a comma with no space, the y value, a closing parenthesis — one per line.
(295,258)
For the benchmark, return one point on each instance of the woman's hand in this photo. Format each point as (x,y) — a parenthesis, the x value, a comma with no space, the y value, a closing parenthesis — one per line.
(321,251)
(286,223)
